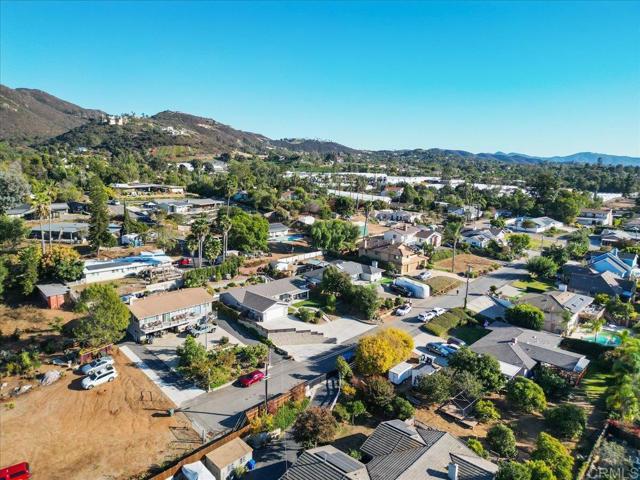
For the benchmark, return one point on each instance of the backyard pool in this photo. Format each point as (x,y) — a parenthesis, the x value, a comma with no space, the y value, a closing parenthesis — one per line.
(604,338)
(295,237)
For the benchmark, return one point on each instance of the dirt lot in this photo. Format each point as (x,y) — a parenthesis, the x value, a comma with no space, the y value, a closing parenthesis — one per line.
(479,264)
(111,432)
(429,416)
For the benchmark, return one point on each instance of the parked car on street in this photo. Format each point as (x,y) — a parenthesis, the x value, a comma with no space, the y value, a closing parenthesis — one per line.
(426,275)
(251,378)
(426,316)
(439,311)
(456,341)
(439,348)
(201,329)
(108,374)
(451,348)
(400,290)
(96,365)
(19,471)
(403,310)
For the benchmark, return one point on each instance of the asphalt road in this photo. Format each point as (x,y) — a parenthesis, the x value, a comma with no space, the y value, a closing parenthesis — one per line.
(222,409)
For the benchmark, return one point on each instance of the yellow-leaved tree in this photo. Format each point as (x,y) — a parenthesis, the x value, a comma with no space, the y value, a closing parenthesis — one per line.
(376,354)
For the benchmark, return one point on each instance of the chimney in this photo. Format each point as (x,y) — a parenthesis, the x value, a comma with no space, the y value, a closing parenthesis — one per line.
(514,340)
(453,471)
(374,263)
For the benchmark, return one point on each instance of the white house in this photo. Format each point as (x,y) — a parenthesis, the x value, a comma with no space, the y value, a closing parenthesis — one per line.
(277,231)
(357,271)
(397,216)
(595,216)
(104,270)
(534,225)
(481,238)
(402,234)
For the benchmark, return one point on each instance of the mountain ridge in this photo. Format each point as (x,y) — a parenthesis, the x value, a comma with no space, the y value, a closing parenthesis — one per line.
(30,115)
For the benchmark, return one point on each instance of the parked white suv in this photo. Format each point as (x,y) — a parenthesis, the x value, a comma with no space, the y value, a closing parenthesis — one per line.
(403,310)
(108,374)
(97,364)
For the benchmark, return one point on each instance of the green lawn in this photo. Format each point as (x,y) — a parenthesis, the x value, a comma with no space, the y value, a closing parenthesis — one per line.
(595,381)
(532,285)
(469,333)
(442,284)
(386,281)
(310,302)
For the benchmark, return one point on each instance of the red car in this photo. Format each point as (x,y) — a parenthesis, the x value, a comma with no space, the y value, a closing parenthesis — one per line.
(19,471)
(251,378)
(184,262)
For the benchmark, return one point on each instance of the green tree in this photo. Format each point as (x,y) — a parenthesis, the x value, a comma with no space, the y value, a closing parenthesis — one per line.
(99,235)
(28,269)
(313,426)
(334,281)
(380,392)
(552,452)
(486,411)
(484,367)
(199,231)
(566,420)
(12,231)
(249,232)
(477,447)
(552,384)
(525,315)
(525,395)
(344,206)
(334,235)
(519,242)
(127,223)
(401,408)
(452,232)
(107,319)
(620,311)
(13,190)
(435,388)
(344,369)
(61,264)
(513,471)
(542,267)
(4,274)
(557,253)
(502,440)
(356,409)
(212,248)
(41,205)
(539,470)
(364,299)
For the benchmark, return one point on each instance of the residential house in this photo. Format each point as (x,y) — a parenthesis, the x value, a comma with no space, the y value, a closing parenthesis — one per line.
(116,268)
(25,210)
(67,232)
(519,350)
(402,234)
(429,236)
(534,225)
(481,238)
(404,259)
(356,271)
(490,307)
(326,463)
(561,309)
(169,310)
(610,237)
(266,301)
(277,232)
(190,206)
(397,216)
(624,265)
(468,212)
(587,282)
(136,188)
(20,211)
(602,217)
(396,451)
(223,460)
(393,191)
(55,295)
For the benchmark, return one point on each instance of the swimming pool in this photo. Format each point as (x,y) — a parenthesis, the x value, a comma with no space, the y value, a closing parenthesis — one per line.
(295,237)
(604,338)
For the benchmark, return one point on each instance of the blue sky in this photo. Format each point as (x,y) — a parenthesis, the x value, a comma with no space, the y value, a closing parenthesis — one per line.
(542,78)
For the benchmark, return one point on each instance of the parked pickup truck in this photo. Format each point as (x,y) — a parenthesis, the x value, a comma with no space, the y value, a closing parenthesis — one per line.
(201,329)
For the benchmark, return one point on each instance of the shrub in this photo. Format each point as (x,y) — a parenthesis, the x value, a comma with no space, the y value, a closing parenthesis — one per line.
(435,388)
(348,390)
(477,447)
(401,408)
(525,315)
(551,451)
(513,471)
(455,317)
(485,411)
(355,453)
(526,395)
(343,367)
(287,413)
(314,425)
(380,392)
(568,421)
(341,412)
(551,383)
(502,440)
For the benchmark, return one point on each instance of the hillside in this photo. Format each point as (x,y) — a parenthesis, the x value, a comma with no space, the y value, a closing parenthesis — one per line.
(307,145)
(27,114)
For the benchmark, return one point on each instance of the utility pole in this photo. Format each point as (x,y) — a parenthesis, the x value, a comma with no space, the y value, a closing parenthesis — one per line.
(266,379)
(466,292)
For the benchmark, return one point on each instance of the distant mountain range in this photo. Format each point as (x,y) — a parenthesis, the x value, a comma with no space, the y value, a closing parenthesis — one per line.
(32,116)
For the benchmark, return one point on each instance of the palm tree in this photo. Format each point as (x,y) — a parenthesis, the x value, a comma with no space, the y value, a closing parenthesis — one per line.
(200,229)
(452,234)
(595,326)
(367,210)
(41,204)
(225,226)
(51,191)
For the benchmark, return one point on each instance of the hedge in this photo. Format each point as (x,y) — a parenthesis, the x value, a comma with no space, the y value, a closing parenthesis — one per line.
(441,254)
(455,317)
(590,349)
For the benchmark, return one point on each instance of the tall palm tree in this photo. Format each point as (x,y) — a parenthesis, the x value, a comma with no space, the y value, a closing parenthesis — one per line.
(452,234)
(52,192)
(225,226)
(367,211)
(41,204)
(200,229)
(595,326)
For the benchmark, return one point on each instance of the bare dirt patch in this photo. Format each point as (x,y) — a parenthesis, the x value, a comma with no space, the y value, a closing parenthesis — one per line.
(434,419)
(463,260)
(111,432)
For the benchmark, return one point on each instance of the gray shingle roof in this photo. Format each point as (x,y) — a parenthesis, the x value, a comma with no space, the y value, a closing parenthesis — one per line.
(391,436)
(325,463)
